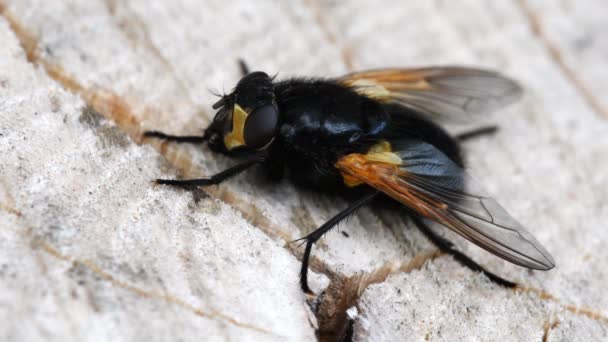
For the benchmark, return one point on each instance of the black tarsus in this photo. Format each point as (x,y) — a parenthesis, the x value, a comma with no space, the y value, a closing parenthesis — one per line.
(244,67)
(215,179)
(448,247)
(313,237)
(194,139)
(477,132)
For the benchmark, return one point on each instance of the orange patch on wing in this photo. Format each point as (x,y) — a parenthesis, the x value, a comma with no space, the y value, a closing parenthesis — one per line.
(383,84)
(387,177)
(379,153)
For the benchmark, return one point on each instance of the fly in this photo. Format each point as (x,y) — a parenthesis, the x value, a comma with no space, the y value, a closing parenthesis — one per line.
(374,137)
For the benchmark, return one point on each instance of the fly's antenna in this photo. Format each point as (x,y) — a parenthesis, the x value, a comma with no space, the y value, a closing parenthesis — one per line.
(221,102)
(218,81)
(215,93)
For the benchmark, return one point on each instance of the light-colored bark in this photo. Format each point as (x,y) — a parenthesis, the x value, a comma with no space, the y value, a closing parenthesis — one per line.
(89,249)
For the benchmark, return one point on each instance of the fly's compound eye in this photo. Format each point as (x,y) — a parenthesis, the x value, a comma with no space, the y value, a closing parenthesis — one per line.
(260,126)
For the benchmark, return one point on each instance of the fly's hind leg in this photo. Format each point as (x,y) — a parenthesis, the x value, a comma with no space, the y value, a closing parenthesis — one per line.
(472,134)
(215,179)
(313,237)
(448,247)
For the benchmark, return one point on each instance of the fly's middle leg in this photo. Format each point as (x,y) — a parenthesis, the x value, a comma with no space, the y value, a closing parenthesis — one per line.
(313,237)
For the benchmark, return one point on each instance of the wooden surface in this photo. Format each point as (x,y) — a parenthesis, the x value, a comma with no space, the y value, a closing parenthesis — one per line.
(89,250)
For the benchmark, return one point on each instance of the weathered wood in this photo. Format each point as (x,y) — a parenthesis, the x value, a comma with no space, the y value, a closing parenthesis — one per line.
(90,250)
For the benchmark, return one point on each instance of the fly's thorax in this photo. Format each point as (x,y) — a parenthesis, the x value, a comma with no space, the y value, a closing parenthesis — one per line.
(322,114)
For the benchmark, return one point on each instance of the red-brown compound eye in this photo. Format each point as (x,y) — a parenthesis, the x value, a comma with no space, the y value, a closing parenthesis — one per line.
(261,126)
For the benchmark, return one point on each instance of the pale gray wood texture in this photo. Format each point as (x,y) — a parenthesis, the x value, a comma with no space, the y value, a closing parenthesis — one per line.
(90,250)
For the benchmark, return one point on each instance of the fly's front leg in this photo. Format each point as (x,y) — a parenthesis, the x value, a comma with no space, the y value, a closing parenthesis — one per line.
(193,139)
(313,237)
(215,179)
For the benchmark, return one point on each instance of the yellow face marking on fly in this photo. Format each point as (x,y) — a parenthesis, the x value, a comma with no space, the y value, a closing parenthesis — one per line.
(236,138)
(379,153)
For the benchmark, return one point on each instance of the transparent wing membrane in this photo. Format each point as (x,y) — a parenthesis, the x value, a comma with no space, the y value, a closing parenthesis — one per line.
(449,94)
(430,183)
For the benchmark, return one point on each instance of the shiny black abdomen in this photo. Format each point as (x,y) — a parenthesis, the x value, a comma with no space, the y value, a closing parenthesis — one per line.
(322,121)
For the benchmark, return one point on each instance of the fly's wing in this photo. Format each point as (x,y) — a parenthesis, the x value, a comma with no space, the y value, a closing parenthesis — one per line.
(424,179)
(446,94)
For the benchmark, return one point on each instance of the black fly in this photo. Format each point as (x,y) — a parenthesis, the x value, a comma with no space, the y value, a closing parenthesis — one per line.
(374,136)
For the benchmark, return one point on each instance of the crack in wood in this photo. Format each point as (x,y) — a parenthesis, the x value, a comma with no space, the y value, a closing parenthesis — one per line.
(576,310)
(9,204)
(556,55)
(548,327)
(210,314)
(344,293)
(10,210)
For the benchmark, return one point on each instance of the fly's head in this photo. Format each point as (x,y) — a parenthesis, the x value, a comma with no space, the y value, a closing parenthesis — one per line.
(247,119)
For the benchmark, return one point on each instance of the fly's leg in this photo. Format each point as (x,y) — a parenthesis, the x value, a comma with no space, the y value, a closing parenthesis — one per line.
(178,139)
(244,67)
(477,133)
(313,237)
(448,247)
(215,179)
